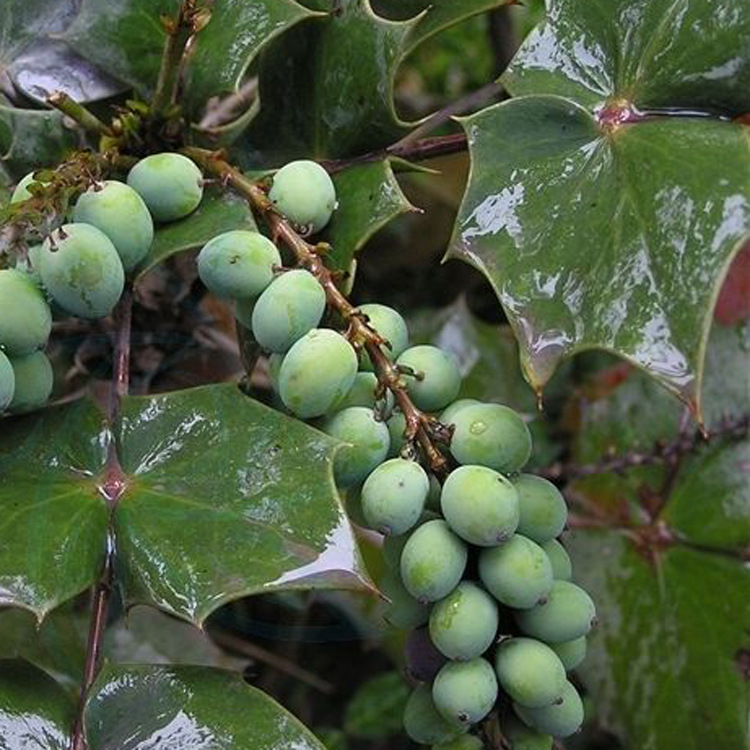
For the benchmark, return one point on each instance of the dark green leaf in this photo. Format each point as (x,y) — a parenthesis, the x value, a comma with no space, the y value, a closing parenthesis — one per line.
(611,238)
(219,211)
(181,707)
(35,712)
(52,516)
(369,197)
(22,21)
(376,710)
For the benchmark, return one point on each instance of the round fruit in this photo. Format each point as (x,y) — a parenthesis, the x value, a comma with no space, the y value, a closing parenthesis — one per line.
(467,742)
(424,724)
(290,307)
(567,614)
(465,692)
(317,373)
(522,737)
(238,264)
(491,435)
(571,653)
(7,382)
(34,380)
(368,445)
(393,496)
(396,427)
(530,672)
(449,414)
(25,317)
(82,270)
(403,611)
(517,573)
(21,192)
(364,393)
(433,561)
(391,326)
(304,193)
(170,185)
(423,660)
(543,509)
(464,624)
(562,568)
(560,719)
(437,379)
(121,214)
(480,505)
(274,368)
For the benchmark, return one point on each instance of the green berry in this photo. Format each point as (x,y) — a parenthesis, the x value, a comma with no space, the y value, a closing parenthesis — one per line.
(243,312)
(317,373)
(304,193)
(517,573)
(465,692)
(7,382)
(436,381)
(449,414)
(396,427)
(480,505)
(424,724)
(467,742)
(522,737)
(82,270)
(562,568)
(433,561)
(368,443)
(118,211)
(567,614)
(543,509)
(560,719)
(393,496)
(403,611)
(274,369)
(170,185)
(364,393)
(290,307)
(530,672)
(391,326)
(238,264)
(22,192)
(491,435)
(571,653)
(34,380)
(25,317)
(464,624)
(30,264)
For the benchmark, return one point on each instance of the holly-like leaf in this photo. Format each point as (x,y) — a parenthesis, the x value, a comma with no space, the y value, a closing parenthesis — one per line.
(219,211)
(34,709)
(187,707)
(669,575)
(597,225)
(369,197)
(223,498)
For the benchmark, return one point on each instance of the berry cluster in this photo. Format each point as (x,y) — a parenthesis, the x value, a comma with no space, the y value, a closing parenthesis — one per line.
(81,267)
(475,569)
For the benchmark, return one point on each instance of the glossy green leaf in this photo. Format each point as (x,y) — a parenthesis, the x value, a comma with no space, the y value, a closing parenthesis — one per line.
(22,21)
(611,238)
(223,498)
(52,516)
(671,594)
(32,138)
(369,197)
(35,712)
(219,211)
(184,707)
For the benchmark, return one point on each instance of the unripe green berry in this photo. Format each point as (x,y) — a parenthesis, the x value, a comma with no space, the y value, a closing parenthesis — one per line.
(571,653)
(25,317)
(304,193)
(562,568)
(543,509)
(7,382)
(530,672)
(424,724)
(396,427)
(449,414)
(33,382)
(391,326)
(238,264)
(567,614)
(118,211)
(21,192)
(480,505)
(394,494)
(467,742)
(436,381)
(465,692)
(560,719)
(364,393)
(404,611)
(522,737)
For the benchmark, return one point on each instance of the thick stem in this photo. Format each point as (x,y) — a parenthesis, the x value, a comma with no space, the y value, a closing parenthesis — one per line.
(71,108)
(420,427)
(111,489)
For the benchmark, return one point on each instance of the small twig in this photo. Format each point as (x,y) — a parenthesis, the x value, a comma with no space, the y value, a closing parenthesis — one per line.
(735,428)
(77,112)
(421,428)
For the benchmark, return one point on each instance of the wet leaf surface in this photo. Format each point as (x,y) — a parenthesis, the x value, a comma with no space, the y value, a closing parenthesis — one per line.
(187,707)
